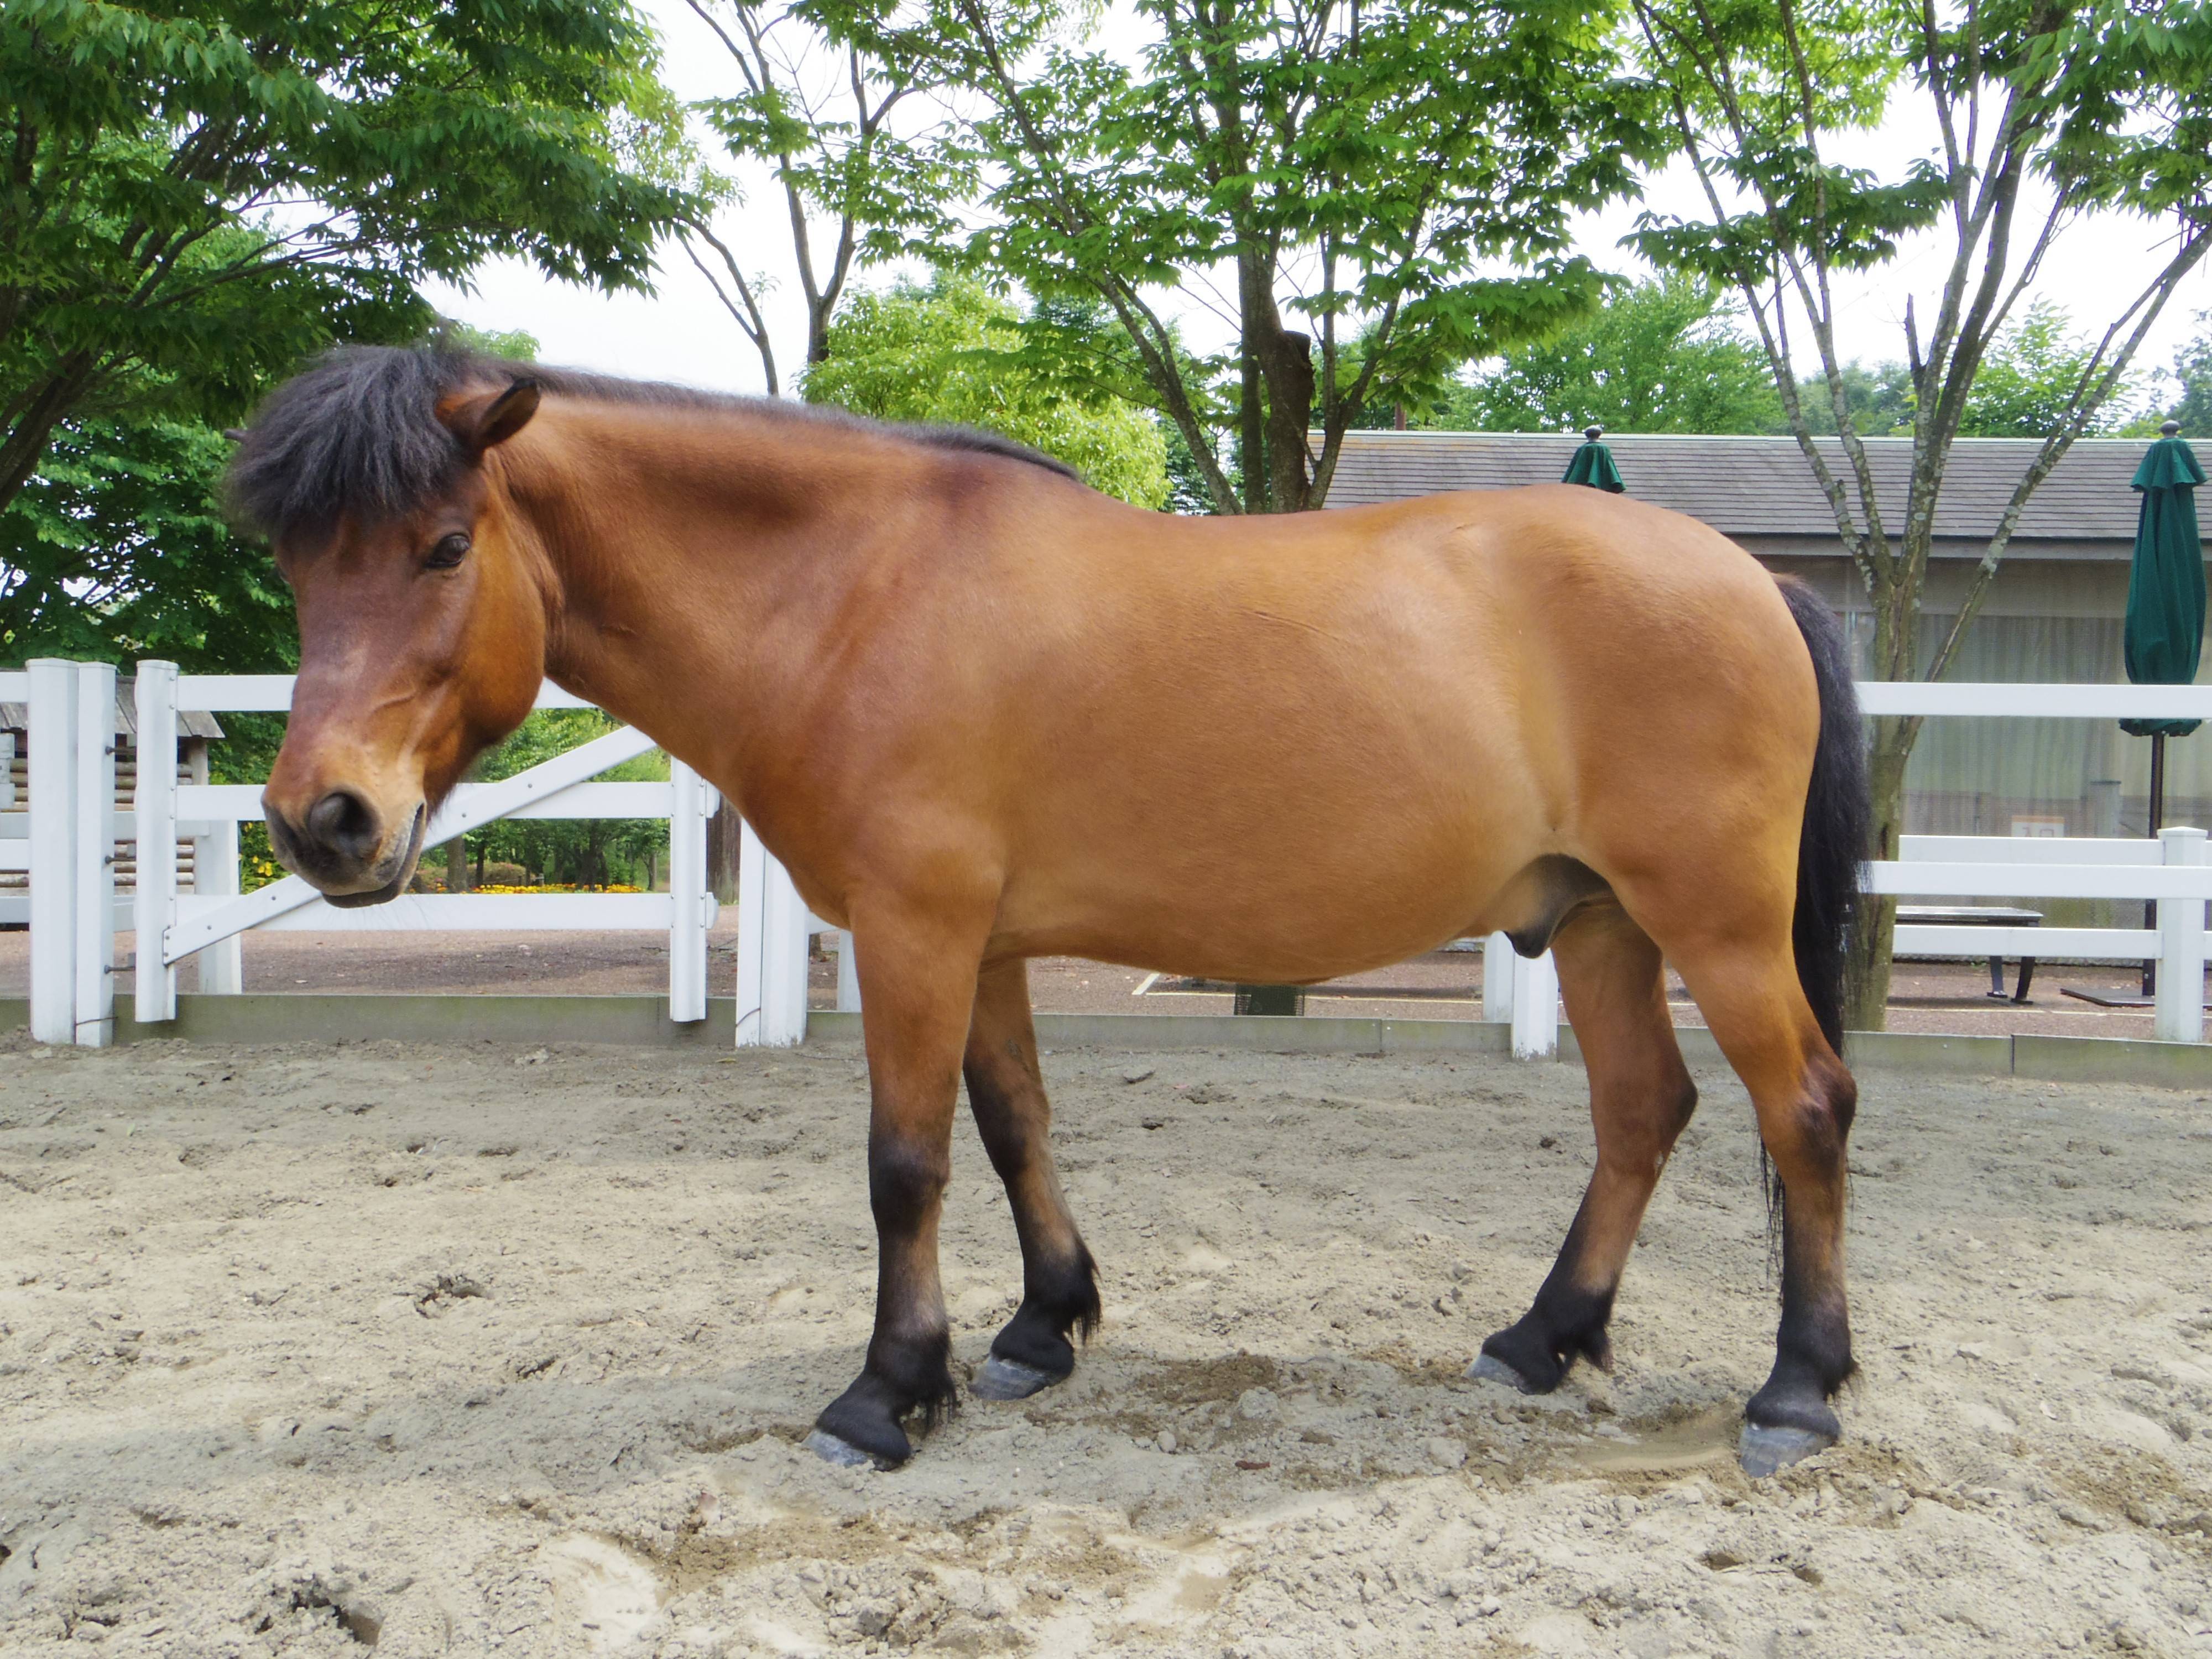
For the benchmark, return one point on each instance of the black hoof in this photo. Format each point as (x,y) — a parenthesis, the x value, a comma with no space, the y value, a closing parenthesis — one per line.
(1763,1451)
(830,1450)
(1010,1379)
(865,1419)
(1806,1407)
(1489,1368)
(1787,1421)
(1536,1355)
(1035,1349)
(872,1433)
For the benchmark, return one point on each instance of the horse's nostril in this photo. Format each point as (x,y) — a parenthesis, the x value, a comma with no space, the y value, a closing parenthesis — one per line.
(342,821)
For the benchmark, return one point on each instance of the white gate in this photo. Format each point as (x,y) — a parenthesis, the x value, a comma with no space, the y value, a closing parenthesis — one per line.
(172,926)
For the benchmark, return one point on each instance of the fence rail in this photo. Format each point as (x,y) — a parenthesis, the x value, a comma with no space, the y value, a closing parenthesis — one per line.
(2010,699)
(67,848)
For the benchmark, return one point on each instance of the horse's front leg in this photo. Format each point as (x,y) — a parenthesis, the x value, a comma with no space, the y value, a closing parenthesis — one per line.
(1060,1284)
(917,986)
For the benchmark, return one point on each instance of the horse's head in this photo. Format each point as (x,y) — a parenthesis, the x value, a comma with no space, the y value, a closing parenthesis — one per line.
(421,598)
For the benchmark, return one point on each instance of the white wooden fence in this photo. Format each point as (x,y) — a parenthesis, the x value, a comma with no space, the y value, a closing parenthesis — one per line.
(68,851)
(2173,869)
(69,844)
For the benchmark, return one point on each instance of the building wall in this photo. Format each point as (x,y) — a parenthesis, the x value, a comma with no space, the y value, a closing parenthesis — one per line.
(191,768)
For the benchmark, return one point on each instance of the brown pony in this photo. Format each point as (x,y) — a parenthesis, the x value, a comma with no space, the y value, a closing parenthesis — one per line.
(983,714)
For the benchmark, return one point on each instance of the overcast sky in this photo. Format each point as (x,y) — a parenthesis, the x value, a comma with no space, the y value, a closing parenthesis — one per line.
(682,333)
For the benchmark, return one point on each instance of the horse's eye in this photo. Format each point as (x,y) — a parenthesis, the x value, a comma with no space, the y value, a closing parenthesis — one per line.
(448,552)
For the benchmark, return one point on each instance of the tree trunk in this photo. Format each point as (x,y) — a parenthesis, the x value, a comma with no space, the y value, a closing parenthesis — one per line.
(723,836)
(1288,363)
(457,864)
(25,443)
(1874,927)
(1251,436)
(1275,392)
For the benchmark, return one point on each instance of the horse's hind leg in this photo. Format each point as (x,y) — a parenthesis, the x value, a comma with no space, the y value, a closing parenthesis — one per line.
(1060,1289)
(1752,998)
(1641,1098)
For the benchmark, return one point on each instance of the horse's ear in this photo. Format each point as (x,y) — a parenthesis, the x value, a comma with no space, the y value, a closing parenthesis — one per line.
(482,421)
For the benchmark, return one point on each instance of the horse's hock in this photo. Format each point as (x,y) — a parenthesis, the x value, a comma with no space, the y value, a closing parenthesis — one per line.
(525,1353)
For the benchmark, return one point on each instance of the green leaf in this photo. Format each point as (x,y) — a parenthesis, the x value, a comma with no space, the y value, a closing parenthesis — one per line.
(954,354)
(205,190)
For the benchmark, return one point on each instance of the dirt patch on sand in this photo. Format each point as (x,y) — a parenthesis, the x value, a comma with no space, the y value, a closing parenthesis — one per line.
(304,1350)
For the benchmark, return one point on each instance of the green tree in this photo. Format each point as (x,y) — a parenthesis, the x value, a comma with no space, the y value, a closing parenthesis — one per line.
(201,191)
(2027,386)
(1660,356)
(1877,401)
(2184,392)
(821,86)
(2193,369)
(117,548)
(578,852)
(515,345)
(2024,386)
(1401,172)
(953,352)
(2106,104)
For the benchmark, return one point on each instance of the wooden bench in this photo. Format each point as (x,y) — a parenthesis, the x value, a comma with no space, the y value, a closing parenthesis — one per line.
(1979,915)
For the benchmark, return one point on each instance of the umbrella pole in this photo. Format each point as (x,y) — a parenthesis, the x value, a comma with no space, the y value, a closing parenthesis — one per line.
(2157,823)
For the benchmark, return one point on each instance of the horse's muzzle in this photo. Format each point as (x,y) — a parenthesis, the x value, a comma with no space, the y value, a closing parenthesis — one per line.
(342,845)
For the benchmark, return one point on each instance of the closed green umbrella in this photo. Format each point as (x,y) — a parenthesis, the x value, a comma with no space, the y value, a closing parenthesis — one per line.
(1593,465)
(2166,601)
(2166,584)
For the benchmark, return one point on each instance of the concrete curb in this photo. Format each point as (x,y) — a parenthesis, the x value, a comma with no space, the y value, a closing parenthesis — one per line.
(287,1017)
(263,1017)
(2113,1059)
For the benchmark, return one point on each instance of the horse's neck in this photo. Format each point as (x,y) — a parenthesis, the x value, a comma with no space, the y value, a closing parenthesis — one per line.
(672,535)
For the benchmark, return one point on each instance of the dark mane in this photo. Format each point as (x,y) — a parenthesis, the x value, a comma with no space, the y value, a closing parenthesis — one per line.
(357,432)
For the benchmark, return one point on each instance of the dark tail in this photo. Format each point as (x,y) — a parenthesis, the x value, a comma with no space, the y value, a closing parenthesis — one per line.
(1838,816)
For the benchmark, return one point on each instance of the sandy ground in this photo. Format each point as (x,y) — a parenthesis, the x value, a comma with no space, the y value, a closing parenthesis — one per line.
(476,1350)
(1949,997)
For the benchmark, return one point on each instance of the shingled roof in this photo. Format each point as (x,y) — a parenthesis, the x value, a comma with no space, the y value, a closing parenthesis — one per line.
(191,723)
(1763,487)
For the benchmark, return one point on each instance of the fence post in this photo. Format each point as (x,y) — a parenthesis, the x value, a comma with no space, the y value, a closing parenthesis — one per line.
(52,804)
(1535,1007)
(2180,1004)
(688,895)
(1498,979)
(848,975)
(154,812)
(215,873)
(94,998)
(772,947)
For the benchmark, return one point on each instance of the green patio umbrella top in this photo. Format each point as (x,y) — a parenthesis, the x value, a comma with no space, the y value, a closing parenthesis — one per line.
(1593,465)
(2165,585)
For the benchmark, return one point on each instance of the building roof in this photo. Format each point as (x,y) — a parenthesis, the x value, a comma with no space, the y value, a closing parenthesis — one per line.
(196,723)
(1763,487)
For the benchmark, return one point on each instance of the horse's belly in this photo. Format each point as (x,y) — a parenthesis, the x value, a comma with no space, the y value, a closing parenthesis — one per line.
(1278,905)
